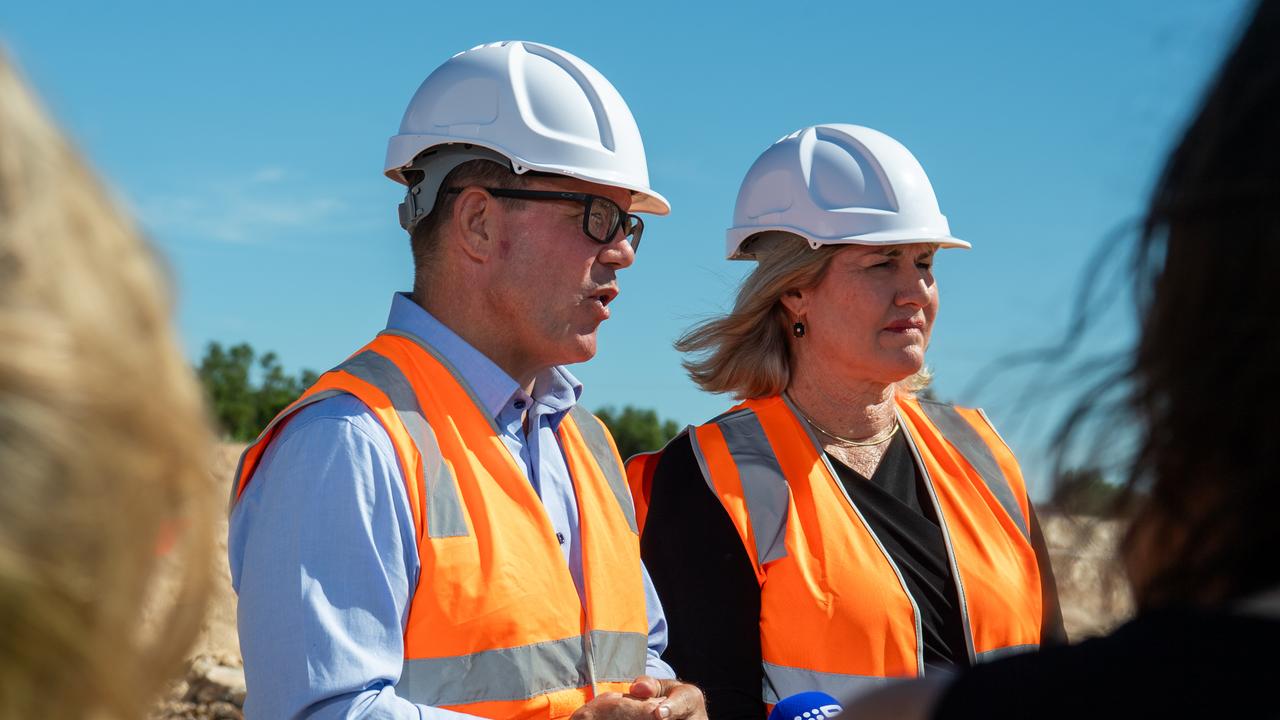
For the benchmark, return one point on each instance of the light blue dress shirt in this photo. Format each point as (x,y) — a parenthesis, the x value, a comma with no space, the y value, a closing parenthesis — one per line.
(323,551)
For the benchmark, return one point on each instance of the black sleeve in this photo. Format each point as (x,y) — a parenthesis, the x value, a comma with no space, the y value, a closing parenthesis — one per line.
(1053,631)
(707,587)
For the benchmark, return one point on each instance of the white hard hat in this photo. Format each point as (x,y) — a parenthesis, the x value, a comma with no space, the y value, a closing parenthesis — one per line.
(838,184)
(530,106)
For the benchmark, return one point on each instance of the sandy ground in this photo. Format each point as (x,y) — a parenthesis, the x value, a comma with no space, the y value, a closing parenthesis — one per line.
(218,635)
(1080,551)
(1093,594)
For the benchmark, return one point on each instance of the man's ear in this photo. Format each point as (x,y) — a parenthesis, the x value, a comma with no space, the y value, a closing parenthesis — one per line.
(477,217)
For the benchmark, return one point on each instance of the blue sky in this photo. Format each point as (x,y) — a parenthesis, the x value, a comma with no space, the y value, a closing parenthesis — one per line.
(248,138)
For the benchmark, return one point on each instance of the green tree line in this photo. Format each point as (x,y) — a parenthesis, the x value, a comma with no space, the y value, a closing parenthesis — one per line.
(1086,491)
(637,430)
(245,390)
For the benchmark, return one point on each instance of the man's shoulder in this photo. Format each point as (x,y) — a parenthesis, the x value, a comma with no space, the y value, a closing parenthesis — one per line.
(332,448)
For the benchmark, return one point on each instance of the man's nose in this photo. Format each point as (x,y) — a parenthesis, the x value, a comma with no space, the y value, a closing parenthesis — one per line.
(619,253)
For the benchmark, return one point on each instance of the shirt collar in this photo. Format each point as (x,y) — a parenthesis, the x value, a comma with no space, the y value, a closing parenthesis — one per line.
(556,388)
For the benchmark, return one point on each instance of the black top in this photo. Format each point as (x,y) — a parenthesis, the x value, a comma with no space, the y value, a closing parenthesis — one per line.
(709,590)
(1168,664)
(898,508)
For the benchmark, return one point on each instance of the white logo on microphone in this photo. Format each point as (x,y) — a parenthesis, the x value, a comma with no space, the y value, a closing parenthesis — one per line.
(819,713)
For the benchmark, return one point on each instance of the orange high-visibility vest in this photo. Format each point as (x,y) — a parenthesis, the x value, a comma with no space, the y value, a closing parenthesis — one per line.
(496,627)
(640,469)
(835,614)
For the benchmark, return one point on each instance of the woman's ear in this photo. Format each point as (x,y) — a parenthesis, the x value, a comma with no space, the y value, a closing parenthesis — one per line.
(797,303)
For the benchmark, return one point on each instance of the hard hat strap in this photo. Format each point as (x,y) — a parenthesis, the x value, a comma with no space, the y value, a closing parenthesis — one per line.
(434,164)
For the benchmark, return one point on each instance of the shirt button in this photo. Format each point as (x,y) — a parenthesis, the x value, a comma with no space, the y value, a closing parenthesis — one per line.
(560,537)
(519,404)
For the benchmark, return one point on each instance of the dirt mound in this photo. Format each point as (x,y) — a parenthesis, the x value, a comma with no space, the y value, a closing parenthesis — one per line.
(1082,550)
(212,687)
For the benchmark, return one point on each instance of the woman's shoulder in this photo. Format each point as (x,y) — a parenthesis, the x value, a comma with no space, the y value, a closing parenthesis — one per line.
(677,460)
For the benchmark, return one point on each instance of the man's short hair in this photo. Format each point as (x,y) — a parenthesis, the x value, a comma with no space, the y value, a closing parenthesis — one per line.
(424,240)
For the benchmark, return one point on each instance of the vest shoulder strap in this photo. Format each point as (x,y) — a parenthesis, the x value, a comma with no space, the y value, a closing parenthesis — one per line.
(600,444)
(444,515)
(425,468)
(640,471)
(740,467)
(975,450)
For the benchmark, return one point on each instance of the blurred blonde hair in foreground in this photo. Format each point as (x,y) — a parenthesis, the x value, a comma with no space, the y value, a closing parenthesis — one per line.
(104,446)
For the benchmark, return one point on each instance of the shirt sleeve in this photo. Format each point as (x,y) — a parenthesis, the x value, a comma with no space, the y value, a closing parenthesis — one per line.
(654,665)
(323,556)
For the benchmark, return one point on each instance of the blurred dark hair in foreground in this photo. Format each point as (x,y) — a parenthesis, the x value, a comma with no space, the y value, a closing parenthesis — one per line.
(1202,481)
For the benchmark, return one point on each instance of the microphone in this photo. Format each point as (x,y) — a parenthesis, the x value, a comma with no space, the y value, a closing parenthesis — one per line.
(810,705)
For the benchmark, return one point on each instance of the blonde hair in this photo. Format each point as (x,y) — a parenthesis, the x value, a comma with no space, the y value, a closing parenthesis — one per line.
(747,352)
(103,442)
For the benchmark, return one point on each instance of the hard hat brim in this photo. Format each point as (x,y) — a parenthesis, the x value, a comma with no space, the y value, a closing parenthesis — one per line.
(737,236)
(402,150)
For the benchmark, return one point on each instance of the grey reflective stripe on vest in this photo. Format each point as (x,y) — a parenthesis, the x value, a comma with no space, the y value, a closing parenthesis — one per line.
(764,488)
(964,438)
(310,400)
(1005,652)
(593,435)
(523,672)
(475,399)
(781,682)
(444,509)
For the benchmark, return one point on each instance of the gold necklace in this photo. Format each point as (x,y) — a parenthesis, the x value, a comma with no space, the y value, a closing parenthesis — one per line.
(842,440)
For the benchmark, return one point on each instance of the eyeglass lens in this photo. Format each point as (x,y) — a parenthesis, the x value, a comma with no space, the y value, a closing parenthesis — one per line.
(605,218)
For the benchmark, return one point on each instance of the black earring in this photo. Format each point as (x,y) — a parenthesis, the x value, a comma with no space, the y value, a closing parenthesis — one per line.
(798,329)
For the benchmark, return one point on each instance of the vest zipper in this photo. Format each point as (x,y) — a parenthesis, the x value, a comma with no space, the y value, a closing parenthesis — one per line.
(946,539)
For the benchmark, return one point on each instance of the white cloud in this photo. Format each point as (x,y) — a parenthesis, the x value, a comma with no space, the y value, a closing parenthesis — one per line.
(252,209)
(269,174)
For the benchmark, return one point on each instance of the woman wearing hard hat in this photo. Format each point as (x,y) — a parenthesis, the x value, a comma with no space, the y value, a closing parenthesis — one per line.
(834,529)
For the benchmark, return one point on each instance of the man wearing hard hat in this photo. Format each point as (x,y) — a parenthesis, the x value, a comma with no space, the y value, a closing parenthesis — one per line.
(437,526)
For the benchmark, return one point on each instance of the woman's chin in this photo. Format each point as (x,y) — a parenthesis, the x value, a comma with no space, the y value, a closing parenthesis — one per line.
(902,364)
(901,372)
(888,375)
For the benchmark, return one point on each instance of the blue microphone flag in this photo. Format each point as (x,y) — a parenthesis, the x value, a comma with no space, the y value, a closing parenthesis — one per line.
(811,705)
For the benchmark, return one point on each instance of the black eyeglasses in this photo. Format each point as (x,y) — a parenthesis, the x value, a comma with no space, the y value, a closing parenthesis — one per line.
(601,217)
